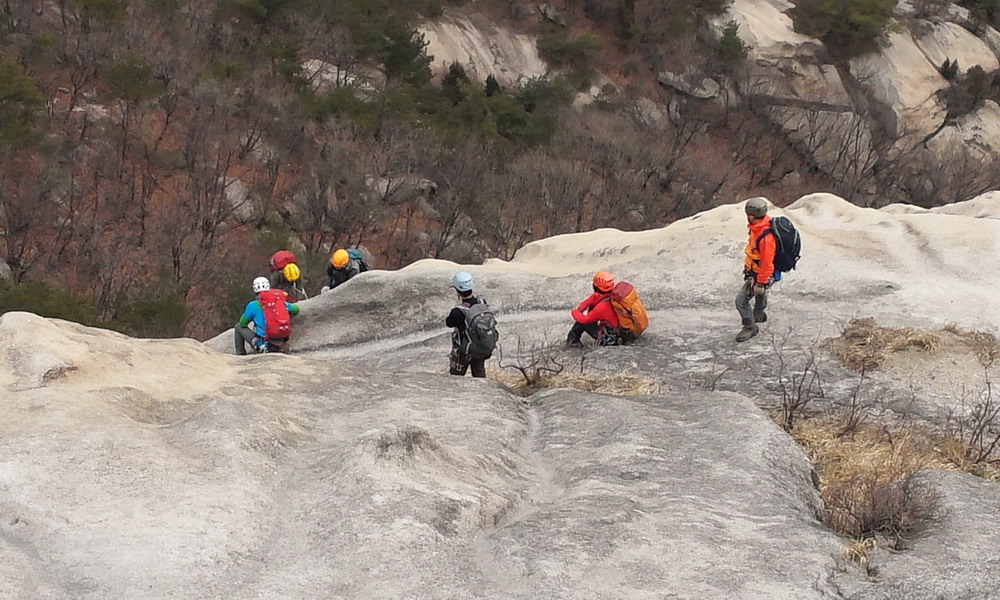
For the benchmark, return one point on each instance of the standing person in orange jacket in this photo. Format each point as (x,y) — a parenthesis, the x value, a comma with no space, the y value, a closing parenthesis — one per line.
(595,315)
(758,268)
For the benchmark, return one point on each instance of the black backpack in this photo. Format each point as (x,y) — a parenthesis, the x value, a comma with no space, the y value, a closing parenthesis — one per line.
(788,243)
(480,330)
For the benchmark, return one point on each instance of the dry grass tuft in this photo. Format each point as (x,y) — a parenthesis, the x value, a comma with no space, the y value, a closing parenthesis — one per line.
(959,455)
(860,550)
(865,345)
(984,345)
(868,480)
(621,384)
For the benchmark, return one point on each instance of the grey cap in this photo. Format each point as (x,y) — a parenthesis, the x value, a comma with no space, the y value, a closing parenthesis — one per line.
(756,207)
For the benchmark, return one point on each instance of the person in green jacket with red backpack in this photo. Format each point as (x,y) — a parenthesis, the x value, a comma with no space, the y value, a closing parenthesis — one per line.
(270,313)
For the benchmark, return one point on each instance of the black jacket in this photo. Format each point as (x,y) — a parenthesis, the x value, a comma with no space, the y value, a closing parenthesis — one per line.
(456,318)
(335,277)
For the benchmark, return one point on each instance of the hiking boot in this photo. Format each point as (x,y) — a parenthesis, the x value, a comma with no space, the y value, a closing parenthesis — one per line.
(746,333)
(759,316)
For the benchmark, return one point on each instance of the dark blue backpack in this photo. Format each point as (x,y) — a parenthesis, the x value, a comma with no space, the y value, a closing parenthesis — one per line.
(788,243)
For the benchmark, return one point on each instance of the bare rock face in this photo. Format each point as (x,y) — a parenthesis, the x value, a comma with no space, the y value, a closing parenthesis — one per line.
(483,50)
(896,89)
(765,27)
(280,476)
(941,40)
(355,467)
(803,96)
(902,79)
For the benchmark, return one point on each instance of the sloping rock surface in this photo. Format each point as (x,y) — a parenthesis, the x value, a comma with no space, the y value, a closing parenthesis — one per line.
(280,476)
(355,467)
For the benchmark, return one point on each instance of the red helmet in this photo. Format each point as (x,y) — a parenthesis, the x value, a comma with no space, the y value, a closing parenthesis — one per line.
(603,281)
(281,258)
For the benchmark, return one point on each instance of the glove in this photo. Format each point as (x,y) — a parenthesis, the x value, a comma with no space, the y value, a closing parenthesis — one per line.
(759,288)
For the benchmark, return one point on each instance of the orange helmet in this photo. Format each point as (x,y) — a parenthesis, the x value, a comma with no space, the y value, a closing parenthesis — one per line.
(603,281)
(340,258)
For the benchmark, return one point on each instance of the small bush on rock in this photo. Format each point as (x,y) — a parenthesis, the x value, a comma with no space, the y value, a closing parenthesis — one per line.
(870,481)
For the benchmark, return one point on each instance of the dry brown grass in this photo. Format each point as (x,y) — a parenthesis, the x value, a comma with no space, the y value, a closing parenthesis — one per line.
(868,480)
(958,454)
(865,345)
(621,384)
(984,345)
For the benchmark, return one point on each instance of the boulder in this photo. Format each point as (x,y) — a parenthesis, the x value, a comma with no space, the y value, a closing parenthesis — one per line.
(904,84)
(691,82)
(552,14)
(766,28)
(941,40)
(324,76)
(240,198)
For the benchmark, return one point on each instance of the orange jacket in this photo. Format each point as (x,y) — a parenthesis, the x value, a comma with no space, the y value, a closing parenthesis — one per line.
(760,257)
(596,308)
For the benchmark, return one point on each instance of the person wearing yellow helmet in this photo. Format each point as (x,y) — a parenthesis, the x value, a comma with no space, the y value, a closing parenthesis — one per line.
(344,264)
(286,275)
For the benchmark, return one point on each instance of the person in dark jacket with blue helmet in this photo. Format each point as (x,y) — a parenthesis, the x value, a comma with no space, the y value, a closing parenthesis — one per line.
(459,361)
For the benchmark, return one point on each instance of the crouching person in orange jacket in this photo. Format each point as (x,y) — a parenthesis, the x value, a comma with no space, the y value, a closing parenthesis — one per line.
(595,315)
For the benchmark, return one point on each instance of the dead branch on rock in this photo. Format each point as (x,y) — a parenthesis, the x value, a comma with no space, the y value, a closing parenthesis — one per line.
(533,361)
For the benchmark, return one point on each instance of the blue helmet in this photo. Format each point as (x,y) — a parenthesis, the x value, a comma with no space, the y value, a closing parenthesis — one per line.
(462,281)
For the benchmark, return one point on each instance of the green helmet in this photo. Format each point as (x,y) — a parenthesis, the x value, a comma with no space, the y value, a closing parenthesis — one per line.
(756,207)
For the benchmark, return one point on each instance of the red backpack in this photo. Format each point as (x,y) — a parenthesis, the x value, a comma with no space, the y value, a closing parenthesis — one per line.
(281,258)
(277,321)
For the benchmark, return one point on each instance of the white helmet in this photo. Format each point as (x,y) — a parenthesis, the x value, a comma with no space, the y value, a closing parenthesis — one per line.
(261,284)
(462,281)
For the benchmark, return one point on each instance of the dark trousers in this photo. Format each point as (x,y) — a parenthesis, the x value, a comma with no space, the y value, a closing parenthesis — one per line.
(593,329)
(459,364)
(743,298)
(243,336)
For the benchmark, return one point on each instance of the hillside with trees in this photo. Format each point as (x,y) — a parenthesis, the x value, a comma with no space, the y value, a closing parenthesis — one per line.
(153,153)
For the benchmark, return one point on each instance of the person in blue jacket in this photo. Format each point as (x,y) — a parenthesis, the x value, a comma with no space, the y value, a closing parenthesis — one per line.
(254,313)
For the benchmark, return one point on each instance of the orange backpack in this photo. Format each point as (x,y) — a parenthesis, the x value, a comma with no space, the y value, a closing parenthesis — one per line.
(631,313)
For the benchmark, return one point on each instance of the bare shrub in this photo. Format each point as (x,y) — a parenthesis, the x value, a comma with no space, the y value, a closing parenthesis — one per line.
(977,430)
(869,479)
(534,362)
(862,403)
(540,367)
(799,386)
(881,503)
(864,345)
